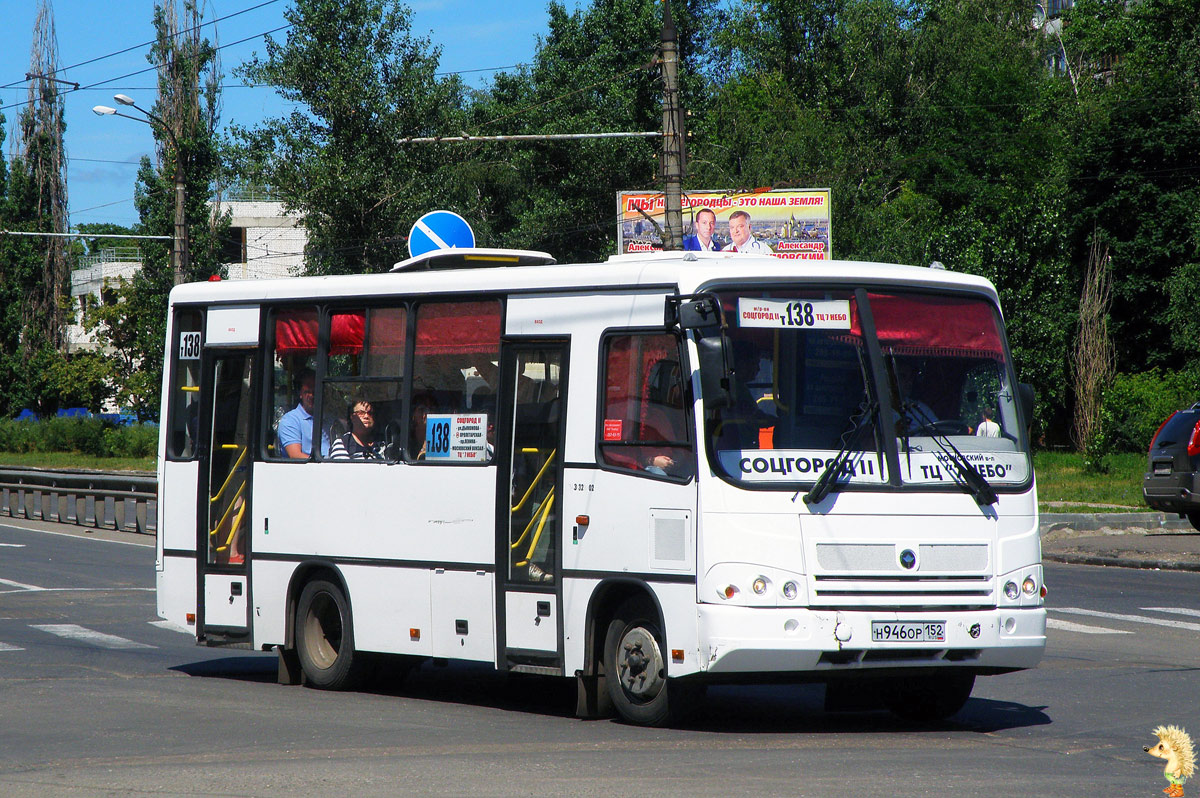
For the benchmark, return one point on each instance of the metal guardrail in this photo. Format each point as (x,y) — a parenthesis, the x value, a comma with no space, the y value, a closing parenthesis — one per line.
(125,500)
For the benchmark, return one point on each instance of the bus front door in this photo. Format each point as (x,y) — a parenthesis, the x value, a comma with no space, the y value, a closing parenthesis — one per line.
(529,559)
(224,512)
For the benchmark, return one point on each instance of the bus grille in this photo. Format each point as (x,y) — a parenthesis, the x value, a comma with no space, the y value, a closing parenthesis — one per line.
(864,575)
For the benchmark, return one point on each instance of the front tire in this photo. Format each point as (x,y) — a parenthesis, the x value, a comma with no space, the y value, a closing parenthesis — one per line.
(325,637)
(928,698)
(634,667)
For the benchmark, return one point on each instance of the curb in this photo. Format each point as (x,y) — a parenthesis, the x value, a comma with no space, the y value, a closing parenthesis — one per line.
(1073,558)
(1090,522)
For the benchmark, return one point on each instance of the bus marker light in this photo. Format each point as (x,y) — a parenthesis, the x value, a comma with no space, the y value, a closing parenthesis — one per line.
(729,592)
(582,520)
(1042,592)
(191,619)
(677,655)
(414,635)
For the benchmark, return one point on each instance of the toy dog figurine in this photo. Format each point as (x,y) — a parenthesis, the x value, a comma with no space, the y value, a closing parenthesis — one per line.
(1175,746)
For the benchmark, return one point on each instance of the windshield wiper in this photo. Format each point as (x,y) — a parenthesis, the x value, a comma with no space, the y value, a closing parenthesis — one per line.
(975,483)
(826,481)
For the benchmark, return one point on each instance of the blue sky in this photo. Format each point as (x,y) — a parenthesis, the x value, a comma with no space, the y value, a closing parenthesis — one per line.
(103,151)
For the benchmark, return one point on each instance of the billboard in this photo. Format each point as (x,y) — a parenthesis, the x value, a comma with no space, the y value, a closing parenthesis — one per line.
(787,223)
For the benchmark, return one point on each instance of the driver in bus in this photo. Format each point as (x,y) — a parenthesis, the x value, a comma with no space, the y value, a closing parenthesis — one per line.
(915,413)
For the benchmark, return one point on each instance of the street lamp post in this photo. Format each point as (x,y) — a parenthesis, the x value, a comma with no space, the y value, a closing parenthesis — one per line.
(1040,19)
(179,250)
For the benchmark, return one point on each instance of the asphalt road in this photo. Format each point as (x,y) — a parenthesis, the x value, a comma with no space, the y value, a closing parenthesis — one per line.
(97,700)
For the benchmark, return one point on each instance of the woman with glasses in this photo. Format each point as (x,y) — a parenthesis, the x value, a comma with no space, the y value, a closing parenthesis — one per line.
(360,442)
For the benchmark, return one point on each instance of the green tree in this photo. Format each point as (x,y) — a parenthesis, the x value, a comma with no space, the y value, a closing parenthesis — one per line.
(132,325)
(1135,146)
(362,80)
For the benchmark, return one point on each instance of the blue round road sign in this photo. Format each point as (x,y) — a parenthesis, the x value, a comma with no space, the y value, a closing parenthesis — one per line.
(439,230)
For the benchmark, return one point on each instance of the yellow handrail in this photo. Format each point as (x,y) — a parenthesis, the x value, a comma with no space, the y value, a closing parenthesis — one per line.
(241,489)
(533,518)
(536,480)
(190,388)
(232,471)
(545,513)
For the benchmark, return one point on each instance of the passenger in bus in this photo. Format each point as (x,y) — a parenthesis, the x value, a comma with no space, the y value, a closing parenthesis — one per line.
(422,405)
(296,426)
(360,442)
(987,427)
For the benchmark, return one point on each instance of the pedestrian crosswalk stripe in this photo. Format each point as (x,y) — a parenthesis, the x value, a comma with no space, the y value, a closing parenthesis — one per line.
(1118,616)
(75,632)
(10,647)
(1068,626)
(1175,610)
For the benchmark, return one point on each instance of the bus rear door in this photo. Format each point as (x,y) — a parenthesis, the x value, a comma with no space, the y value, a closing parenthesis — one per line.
(529,524)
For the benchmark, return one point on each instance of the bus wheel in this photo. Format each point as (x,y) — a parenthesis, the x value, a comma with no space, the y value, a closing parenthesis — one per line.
(325,637)
(635,671)
(928,698)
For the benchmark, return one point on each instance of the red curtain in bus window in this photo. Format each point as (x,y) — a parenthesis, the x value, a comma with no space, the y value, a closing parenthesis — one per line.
(346,333)
(388,329)
(296,332)
(453,328)
(935,325)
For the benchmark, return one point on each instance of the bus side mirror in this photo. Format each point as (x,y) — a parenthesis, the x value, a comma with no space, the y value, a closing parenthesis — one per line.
(714,371)
(1025,398)
(699,314)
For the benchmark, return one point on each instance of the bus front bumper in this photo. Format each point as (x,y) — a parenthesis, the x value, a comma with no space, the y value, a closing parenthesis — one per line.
(780,640)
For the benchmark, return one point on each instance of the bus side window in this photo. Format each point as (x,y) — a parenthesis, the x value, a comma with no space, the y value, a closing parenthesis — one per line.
(293,361)
(185,382)
(643,424)
(456,355)
(364,369)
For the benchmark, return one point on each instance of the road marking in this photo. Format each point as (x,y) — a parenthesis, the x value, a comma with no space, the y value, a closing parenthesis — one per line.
(170,626)
(10,647)
(84,533)
(20,585)
(1176,610)
(1068,626)
(1117,616)
(27,588)
(13,545)
(74,632)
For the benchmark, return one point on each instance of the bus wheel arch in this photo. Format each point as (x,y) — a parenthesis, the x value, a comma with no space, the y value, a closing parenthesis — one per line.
(323,630)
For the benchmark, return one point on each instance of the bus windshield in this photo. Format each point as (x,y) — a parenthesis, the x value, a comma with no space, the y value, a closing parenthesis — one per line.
(805,385)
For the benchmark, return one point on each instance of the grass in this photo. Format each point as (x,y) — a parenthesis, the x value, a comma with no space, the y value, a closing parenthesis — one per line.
(62,460)
(1065,487)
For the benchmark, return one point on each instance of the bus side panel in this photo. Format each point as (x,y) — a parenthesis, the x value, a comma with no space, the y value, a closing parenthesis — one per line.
(396,514)
(176,577)
(268,596)
(388,604)
(176,589)
(632,523)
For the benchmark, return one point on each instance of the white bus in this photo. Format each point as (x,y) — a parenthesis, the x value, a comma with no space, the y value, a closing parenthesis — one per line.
(649,474)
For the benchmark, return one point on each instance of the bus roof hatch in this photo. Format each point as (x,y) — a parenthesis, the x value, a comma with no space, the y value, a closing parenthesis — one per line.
(473,258)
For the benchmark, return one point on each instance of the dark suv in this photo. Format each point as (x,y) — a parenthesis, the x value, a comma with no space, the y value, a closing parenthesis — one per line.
(1172,480)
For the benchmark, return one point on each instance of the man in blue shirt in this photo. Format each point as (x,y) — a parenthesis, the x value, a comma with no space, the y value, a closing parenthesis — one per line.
(296,427)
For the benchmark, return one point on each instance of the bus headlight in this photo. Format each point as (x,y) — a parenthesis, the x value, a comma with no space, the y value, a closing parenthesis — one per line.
(1029,587)
(760,585)
(790,590)
(1011,590)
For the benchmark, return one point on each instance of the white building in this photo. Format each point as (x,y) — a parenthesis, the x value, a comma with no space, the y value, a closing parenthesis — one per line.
(263,242)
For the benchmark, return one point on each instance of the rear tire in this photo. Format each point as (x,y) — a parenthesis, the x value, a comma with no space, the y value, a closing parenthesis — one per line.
(325,637)
(635,671)
(928,698)
(1194,519)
